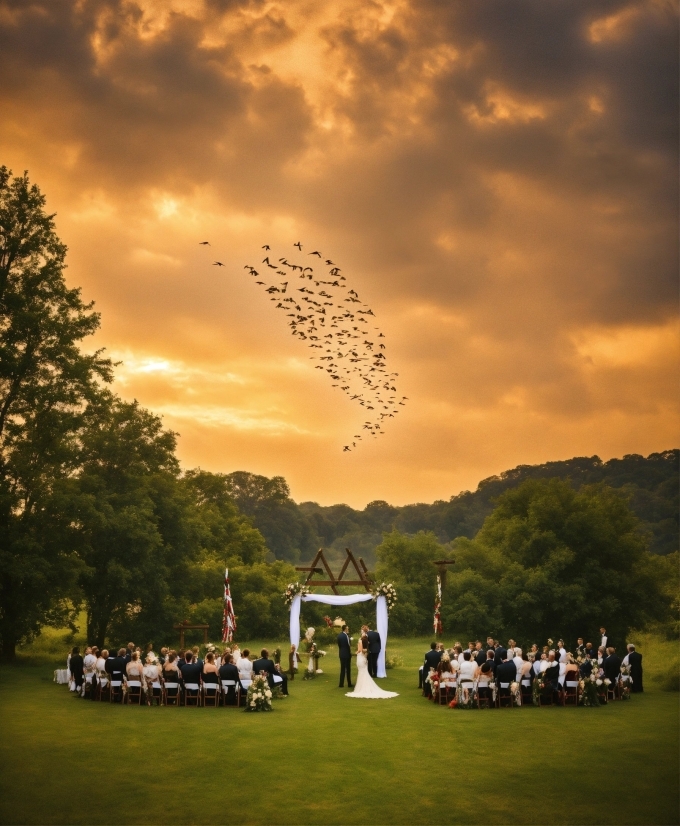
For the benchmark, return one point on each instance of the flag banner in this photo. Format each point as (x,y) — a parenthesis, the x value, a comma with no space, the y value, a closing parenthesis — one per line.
(228,618)
(437,621)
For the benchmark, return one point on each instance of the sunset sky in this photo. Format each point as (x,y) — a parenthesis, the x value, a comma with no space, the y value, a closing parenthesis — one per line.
(498,180)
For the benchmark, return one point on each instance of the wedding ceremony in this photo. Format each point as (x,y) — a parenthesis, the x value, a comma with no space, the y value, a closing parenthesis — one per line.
(339,412)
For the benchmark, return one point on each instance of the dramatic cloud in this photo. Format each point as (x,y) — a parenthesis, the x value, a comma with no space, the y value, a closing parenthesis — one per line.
(497,178)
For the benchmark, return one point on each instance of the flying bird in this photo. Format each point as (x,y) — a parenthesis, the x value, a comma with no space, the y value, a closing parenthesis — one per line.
(204,243)
(218,264)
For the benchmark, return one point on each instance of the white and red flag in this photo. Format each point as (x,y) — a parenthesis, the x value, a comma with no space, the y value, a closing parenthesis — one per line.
(228,618)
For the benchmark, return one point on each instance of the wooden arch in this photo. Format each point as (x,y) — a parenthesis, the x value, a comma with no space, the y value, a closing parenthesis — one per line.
(333,581)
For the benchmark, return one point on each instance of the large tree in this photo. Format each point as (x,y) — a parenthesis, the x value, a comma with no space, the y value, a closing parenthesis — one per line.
(553,561)
(46,383)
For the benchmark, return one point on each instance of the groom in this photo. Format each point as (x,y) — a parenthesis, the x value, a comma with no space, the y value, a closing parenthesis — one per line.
(374,647)
(345,654)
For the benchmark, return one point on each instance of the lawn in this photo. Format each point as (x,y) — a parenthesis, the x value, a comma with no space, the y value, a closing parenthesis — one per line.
(322,758)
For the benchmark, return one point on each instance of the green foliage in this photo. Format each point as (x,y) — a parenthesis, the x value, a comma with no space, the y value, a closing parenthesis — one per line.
(45,385)
(407,562)
(553,560)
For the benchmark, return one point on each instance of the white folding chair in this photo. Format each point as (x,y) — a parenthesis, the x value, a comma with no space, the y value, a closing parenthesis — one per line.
(231,688)
(133,695)
(509,696)
(196,695)
(211,692)
(116,690)
(570,692)
(171,691)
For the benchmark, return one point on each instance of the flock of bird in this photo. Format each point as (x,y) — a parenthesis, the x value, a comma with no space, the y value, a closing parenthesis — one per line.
(331,318)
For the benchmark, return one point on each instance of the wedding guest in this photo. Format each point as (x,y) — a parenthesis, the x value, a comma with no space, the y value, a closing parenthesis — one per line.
(500,654)
(458,651)
(484,678)
(128,651)
(245,666)
(170,669)
(491,659)
(561,654)
(210,674)
(134,669)
(432,659)
(612,665)
(90,672)
(480,654)
(236,652)
(603,638)
(580,648)
(601,655)
(76,666)
(101,662)
(196,651)
(635,663)
(586,667)
(590,652)
(228,671)
(191,674)
(506,672)
(516,653)
(274,675)
(551,675)
(534,650)
(152,677)
(163,656)
(468,668)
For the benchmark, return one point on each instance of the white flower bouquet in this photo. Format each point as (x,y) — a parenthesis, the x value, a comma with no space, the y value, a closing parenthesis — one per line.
(292,590)
(259,695)
(387,590)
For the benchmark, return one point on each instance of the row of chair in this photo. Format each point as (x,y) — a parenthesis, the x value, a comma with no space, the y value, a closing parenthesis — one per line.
(131,692)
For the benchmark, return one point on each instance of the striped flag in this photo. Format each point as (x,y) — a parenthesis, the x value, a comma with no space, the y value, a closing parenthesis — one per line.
(228,619)
(437,620)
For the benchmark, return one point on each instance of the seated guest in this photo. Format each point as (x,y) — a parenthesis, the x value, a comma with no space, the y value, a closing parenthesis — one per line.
(506,672)
(228,671)
(245,666)
(635,663)
(468,668)
(601,655)
(191,673)
(170,669)
(523,667)
(572,669)
(491,659)
(101,663)
(580,648)
(539,664)
(77,667)
(561,653)
(152,676)
(196,651)
(210,669)
(90,671)
(115,666)
(516,655)
(458,652)
(479,654)
(163,656)
(500,653)
(134,669)
(612,665)
(432,659)
(586,667)
(128,652)
(551,675)
(484,679)
(446,673)
(274,675)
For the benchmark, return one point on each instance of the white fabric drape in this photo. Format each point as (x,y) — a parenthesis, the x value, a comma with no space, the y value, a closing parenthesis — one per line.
(339,599)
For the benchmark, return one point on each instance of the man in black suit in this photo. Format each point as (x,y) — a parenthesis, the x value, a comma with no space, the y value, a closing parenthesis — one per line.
(115,667)
(635,663)
(506,671)
(500,654)
(374,646)
(491,659)
(228,671)
(191,674)
(76,667)
(128,652)
(266,666)
(612,666)
(432,659)
(479,654)
(345,655)
(580,648)
(551,676)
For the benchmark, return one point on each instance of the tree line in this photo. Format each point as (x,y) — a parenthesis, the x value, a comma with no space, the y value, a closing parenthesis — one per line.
(97,515)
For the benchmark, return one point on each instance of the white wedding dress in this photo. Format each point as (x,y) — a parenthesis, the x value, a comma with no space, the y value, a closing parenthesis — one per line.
(365,688)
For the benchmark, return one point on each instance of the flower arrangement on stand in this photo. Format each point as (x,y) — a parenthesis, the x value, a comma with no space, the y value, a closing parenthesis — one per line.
(516,692)
(537,689)
(259,697)
(625,683)
(433,680)
(387,590)
(588,695)
(465,697)
(292,590)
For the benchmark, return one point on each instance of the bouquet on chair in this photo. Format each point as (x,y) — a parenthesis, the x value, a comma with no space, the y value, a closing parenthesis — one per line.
(259,696)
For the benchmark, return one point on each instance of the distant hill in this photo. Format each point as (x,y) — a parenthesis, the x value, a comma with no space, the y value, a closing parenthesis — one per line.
(651,483)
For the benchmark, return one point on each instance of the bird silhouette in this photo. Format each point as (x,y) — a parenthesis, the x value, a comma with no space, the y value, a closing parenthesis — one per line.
(218,264)
(204,243)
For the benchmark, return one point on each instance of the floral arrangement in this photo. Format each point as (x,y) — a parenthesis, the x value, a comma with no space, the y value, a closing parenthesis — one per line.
(516,692)
(465,697)
(433,680)
(588,692)
(259,696)
(537,688)
(387,590)
(292,590)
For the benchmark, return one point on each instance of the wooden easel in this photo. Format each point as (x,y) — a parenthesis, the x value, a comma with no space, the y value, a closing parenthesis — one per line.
(333,581)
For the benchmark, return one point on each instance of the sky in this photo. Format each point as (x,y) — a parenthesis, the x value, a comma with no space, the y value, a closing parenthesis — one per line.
(496,179)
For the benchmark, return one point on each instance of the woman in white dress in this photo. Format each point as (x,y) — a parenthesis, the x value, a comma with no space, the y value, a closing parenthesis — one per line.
(245,666)
(365,688)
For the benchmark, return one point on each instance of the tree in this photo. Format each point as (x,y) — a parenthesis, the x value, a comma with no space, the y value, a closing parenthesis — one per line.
(46,383)
(551,561)
(407,562)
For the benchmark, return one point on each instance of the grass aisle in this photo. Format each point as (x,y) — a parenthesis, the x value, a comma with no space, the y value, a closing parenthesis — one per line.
(322,758)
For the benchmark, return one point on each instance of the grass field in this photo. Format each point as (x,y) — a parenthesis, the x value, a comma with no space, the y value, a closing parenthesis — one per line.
(322,758)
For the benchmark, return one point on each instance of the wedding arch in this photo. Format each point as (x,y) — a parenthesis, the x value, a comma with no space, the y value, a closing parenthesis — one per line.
(339,599)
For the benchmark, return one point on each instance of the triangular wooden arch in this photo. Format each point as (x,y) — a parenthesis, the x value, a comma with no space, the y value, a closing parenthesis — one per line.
(333,581)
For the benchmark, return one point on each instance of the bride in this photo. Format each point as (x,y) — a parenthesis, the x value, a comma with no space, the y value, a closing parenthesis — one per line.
(365,688)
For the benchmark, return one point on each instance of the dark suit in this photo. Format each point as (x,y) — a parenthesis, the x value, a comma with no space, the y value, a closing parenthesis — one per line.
(500,654)
(635,661)
(228,671)
(586,668)
(345,654)
(494,665)
(115,668)
(268,666)
(612,668)
(506,672)
(76,669)
(432,660)
(191,673)
(480,657)
(374,646)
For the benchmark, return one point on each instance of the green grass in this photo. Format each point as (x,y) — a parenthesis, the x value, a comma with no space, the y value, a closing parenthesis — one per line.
(322,758)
